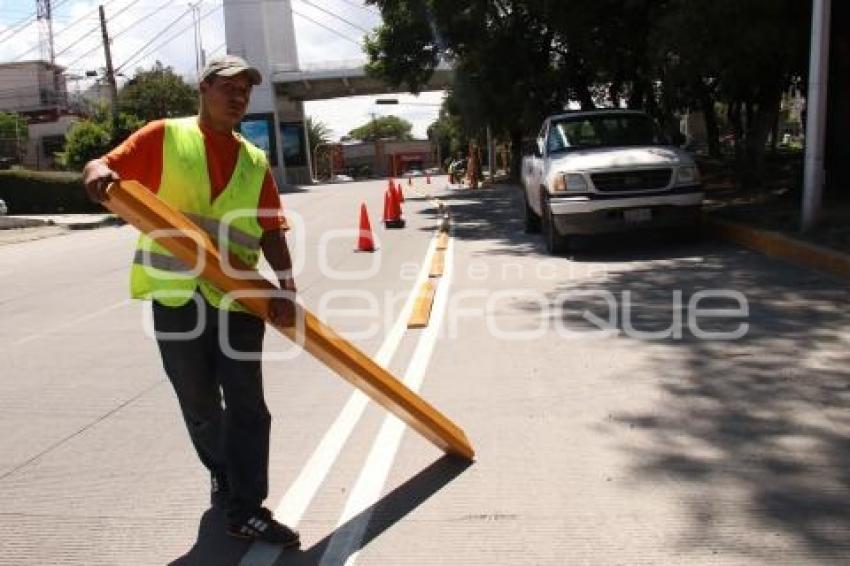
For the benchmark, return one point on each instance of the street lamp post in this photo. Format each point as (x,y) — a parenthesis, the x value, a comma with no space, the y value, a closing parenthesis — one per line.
(816,111)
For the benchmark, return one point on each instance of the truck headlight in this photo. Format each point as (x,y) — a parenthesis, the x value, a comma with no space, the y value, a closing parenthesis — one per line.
(687,175)
(570,182)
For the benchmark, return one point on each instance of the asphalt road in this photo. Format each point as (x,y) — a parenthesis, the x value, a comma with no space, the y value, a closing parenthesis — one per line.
(609,427)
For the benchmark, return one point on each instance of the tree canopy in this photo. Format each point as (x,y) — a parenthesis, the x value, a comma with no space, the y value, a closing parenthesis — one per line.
(385,127)
(13,135)
(447,133)
(519,60)
(92,138)
(86,140)
(157,93)
(151,94)
(318,131)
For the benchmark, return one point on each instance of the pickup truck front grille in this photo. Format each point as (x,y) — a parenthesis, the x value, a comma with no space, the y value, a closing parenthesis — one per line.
(625,181)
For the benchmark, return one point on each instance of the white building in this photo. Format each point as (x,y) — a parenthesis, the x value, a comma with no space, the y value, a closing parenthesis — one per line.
(37,92)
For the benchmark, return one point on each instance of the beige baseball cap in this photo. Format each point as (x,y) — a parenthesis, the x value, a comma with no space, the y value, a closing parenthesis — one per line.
(230,66)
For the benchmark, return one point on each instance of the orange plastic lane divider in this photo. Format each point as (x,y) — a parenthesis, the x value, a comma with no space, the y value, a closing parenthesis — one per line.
(141,208)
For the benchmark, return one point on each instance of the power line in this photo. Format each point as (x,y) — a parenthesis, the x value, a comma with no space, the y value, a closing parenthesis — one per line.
(139,55)
(97,27)
(87,16)
(75,42)
(119,34)
(25,23)
(157,36)
(330,29)
(369,9)
(340,18)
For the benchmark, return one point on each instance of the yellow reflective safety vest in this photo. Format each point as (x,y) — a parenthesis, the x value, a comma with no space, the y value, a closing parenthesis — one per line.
(230,220)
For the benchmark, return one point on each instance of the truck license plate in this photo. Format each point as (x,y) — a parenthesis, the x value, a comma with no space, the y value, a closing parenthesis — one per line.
(637,215)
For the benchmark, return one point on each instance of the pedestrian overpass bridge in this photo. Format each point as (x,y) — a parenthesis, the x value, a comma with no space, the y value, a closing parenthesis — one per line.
(264,34)
(335,79)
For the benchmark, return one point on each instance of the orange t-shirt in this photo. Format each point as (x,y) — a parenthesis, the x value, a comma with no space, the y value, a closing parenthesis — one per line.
(139,158)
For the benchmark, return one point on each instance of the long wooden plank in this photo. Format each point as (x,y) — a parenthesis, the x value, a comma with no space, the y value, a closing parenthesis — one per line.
(141,208)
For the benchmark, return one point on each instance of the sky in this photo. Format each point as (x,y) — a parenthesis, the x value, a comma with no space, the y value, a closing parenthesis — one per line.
(132,24)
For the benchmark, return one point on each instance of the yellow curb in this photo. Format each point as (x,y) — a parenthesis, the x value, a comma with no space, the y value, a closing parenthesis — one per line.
(778,245)
(443,241)
(422,307)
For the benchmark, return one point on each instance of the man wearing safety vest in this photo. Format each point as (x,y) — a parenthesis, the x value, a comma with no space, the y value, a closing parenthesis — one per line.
(201,166)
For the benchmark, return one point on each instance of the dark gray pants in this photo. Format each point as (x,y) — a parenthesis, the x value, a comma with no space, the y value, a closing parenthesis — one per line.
(232,439)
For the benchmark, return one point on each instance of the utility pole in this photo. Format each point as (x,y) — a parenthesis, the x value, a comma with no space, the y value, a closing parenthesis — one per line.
(110,72)
(816,112)
(44,14)
(196,24)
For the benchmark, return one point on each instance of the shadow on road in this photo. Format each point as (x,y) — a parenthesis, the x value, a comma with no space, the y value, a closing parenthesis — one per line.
(495,214)
(754,431)
(214,548)
(757,428)
(372,522)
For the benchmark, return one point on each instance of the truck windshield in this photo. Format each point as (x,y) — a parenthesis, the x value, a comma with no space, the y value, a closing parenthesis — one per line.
(582,132)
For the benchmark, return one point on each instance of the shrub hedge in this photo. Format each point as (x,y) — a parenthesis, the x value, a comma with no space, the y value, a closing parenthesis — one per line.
(45,192)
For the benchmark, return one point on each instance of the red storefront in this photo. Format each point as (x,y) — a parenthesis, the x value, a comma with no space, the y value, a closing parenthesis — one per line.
(399,163)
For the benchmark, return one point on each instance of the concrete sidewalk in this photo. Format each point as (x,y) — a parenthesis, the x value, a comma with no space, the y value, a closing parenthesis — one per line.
(69,221)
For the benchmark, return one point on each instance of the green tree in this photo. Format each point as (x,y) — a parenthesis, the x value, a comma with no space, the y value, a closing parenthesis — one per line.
(319,134)
(157,93)
(518,60)
(502,53)
(447,133)
(742,54)
(13,135)
(391,127)
(86,140)
(90,139)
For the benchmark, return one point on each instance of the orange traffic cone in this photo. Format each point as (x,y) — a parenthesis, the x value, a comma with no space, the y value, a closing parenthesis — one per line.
(392,210)
(399,195)
(365,243)
(387,206)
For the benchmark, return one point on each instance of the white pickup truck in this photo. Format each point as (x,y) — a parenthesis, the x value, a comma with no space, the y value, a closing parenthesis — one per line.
(598,171)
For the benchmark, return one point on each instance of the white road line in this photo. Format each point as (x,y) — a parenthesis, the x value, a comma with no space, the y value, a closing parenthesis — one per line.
(344,545)
(301,492)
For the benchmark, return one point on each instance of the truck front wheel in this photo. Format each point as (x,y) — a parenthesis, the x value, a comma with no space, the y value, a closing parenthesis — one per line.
(556,243)
(532,220)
